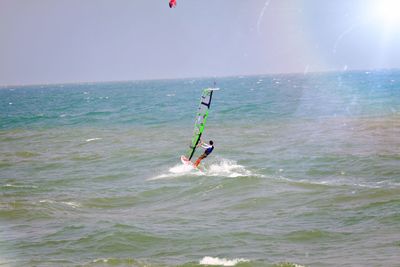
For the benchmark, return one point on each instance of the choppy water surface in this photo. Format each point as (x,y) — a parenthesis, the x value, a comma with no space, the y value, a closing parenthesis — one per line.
(306,172)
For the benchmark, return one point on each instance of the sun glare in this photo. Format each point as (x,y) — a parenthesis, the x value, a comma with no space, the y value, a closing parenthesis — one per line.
(386,12)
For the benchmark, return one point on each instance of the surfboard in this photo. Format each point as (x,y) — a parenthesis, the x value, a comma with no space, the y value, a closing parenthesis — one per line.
(186,161)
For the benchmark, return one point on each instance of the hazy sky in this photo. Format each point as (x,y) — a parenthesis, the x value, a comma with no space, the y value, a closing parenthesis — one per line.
(55,41)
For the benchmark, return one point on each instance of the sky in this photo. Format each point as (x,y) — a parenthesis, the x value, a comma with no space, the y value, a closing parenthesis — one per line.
(67,41)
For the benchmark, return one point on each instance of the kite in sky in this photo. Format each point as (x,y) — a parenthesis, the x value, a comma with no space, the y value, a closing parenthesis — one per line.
(172,3)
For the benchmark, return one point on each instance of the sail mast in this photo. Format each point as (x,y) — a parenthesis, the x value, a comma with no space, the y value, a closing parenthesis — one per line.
(201,118)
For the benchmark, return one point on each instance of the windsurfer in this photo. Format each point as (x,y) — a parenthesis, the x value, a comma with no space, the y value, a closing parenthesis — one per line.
(209,148)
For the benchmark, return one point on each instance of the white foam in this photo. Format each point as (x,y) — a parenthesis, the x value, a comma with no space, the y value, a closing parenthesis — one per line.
(343,182)
(68,203)
(224,168)
(227,168)
(92,139)
(181,169)
(100,260)
(46,201)
(178,171)
(72,204)
(222,262)
(20,186)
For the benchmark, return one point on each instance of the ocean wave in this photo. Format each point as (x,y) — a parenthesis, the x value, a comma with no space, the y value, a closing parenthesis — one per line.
(20,186)
(340,182)
(111,202)
(178,170)
(93,139)
(223,167)
(288,264)
(228,168)
(26,154)
(221,261)
(71,204)
(207,260)
(118,262)
(314,234)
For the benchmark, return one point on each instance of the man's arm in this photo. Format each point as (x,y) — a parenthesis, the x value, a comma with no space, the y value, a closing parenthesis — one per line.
(200,143)
(205,145)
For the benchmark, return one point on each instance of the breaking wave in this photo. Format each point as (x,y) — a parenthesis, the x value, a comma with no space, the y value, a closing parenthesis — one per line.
(221,262)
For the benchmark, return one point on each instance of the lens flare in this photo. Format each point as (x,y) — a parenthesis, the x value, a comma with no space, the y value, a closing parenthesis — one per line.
(386,12)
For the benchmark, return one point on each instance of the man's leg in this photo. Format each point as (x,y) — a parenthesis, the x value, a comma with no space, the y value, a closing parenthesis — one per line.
(199,160)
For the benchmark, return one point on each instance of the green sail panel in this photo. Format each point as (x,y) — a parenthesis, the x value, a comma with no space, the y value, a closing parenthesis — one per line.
(201,118)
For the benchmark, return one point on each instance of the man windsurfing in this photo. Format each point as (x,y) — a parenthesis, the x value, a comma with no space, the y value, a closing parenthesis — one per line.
(209,148)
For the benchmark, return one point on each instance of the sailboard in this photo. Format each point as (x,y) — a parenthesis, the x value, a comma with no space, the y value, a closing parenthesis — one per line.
(200,122)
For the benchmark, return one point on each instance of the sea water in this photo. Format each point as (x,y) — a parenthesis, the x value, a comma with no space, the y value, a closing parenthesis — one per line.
(305,172)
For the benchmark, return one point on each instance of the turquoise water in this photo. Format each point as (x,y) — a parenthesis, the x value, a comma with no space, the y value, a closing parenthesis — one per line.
(306,172)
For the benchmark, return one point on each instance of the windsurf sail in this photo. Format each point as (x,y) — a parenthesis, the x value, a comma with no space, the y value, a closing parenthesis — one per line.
(201,118)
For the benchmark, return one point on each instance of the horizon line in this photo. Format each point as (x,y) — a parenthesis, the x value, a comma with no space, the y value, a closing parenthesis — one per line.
(197,77)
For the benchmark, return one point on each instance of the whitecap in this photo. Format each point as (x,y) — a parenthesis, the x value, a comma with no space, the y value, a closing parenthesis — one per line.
(68,203)
(100,260)
(46,201)
(222,262)
(72,204)
(21,186)
(92,139)
(342,182)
